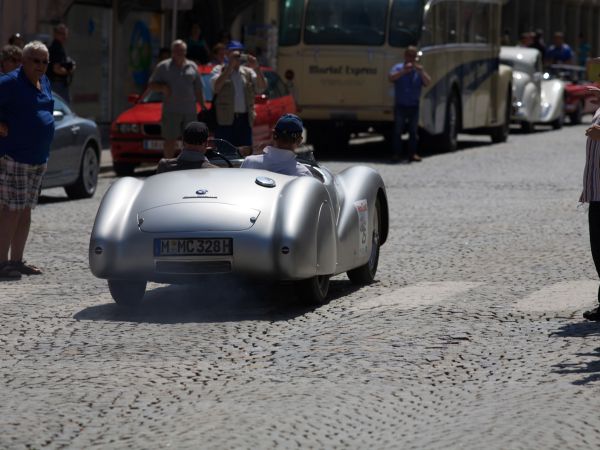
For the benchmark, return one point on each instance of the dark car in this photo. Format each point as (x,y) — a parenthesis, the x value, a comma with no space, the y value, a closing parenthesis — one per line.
(75,153)
(135,136)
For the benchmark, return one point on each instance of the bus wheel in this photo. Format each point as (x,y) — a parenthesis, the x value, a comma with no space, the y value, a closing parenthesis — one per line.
(449,138)
(500,134)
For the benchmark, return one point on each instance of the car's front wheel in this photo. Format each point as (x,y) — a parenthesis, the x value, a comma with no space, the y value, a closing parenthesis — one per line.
(313,291)
(365,274)
(85,186)
(575,116)
(127,293)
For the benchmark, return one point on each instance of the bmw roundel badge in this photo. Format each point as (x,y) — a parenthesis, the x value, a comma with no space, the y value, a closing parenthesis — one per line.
(202,192)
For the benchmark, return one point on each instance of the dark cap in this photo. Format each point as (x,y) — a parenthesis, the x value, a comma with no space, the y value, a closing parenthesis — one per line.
(289,124)
(195,133)
(235,45)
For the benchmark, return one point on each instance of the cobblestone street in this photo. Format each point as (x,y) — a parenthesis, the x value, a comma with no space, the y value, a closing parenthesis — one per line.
(471,338)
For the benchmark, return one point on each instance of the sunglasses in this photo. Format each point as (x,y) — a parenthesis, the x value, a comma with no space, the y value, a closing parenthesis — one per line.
(44,62)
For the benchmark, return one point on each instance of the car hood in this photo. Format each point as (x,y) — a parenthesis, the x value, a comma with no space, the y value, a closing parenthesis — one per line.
(141,113)
(206,199)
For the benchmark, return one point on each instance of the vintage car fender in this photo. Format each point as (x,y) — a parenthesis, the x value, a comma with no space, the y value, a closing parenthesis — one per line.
(505,82)
(552,100)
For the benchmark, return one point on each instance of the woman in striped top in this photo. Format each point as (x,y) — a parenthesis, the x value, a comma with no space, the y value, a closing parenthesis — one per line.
(591,194)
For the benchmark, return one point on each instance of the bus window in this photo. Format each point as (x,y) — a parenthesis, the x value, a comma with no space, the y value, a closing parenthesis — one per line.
(428,30)
(405,23)
(345,22)
(447,23)
(290,18)
(475,23)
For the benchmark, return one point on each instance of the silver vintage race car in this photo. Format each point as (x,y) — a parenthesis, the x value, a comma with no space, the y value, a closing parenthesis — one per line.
(176,227)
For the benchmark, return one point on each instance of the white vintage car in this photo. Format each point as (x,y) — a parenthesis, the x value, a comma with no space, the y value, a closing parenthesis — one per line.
(537,98)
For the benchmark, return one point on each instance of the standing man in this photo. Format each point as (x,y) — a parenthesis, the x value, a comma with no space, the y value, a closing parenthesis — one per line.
(558,52)
(408,78)
(10,58)
(235,86)
(177,78)
(61,67)
(26,132)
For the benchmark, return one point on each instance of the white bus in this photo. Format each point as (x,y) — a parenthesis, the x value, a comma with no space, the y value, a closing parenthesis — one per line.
(336,56)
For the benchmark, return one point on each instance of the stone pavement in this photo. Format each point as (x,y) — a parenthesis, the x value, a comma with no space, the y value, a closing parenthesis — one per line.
(471,338)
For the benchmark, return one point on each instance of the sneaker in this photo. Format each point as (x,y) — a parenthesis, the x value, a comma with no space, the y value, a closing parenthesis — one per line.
(9,272)
(592,314)
(25,269)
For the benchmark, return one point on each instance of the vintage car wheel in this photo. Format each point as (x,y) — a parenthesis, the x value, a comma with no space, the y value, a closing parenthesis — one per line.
(575,116)
(123,169)
(313,291)
(127,293)
(527,127)
(85,186)
(557,123)
(365,274)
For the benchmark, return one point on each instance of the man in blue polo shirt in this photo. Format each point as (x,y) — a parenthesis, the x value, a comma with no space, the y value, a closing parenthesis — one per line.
(408,78)
(26,132)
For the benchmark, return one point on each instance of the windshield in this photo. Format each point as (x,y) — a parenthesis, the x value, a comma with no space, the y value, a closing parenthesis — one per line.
(345,22)
(405,22)
(290,18)
(157,97)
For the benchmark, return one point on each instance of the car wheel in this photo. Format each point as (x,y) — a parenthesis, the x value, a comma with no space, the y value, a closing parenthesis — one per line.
(313,291)
(86,183)
(526,127)
(557,123)
(127,293)
(575,117)
(123,169)
(365,274)
(449,138)
(500,134)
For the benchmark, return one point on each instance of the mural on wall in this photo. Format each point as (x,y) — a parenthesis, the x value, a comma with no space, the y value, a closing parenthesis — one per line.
(140,53)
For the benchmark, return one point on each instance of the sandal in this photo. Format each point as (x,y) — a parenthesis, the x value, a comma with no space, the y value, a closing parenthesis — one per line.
(9,272)
(25,269)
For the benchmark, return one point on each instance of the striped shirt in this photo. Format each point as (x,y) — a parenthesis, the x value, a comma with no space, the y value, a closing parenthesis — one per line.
(591,174)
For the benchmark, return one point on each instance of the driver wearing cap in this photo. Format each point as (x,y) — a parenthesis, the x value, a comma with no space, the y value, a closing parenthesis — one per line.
(280,157)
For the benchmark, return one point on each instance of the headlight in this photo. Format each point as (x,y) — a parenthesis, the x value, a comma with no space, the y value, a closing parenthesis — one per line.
(127,128)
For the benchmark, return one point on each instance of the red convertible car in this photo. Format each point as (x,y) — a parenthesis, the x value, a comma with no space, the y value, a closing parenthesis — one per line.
(135,136)
(579,100)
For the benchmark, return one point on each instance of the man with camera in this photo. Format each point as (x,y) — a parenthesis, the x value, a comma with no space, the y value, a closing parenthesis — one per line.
(235,84)
(61,67)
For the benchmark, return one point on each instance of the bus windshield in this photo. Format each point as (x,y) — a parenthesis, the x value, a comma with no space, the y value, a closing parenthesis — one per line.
(345,22)
(405,22)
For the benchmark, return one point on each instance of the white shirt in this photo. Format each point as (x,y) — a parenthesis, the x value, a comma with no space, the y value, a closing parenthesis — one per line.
(277,160)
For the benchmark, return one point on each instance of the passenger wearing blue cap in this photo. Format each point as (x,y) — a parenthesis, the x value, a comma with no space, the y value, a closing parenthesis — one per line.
(281,157)
(235,85)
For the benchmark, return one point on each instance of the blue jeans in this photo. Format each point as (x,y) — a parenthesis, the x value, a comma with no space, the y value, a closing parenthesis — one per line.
(404,115)
(238,133)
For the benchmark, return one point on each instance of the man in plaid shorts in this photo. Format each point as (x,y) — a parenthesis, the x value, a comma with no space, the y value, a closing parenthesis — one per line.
(26,132)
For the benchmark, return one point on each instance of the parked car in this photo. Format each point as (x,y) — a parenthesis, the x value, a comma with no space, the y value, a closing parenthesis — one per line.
(177,227)
(578,100)
(74,160)
(536,100)
(135,136)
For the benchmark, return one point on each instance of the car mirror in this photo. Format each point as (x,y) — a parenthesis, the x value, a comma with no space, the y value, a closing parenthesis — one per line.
(261,99)
(58,115)
(133,98)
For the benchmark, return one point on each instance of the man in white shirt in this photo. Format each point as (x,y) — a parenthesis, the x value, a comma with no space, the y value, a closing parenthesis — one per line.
(280,157)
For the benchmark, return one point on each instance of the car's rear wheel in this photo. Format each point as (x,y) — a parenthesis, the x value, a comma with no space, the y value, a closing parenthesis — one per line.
(86,183)
(365,274)
(123,169)
(449,138)
(313,291)
(127,293)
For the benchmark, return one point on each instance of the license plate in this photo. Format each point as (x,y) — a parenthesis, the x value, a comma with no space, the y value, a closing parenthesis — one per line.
(154,145)
(193,247)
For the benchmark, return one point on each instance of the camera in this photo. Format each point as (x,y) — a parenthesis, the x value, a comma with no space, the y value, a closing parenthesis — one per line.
(244,58)
(68,64)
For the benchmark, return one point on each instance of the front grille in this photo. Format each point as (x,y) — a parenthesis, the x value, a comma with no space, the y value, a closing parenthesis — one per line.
(193,267)
(152,129)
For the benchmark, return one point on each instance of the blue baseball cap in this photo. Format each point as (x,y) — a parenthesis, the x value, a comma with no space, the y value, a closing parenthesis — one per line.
(235,45)
(289,124)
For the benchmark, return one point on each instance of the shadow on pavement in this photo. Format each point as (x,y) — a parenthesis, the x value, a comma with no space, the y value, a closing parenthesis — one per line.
(202,303)
(589,366)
